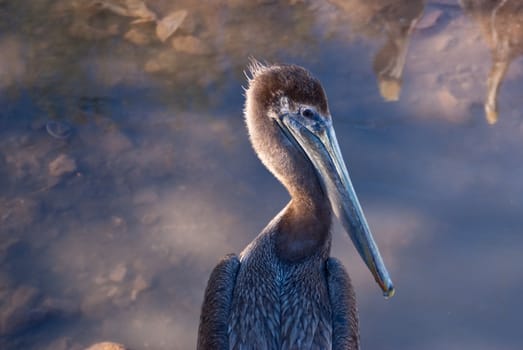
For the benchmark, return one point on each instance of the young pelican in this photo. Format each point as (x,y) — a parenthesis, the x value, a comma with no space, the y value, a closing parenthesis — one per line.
(284,291)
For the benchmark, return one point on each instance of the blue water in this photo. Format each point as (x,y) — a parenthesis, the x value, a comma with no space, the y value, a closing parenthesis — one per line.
(159,179)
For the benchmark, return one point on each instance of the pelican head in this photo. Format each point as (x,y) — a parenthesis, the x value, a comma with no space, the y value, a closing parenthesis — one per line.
(291,130)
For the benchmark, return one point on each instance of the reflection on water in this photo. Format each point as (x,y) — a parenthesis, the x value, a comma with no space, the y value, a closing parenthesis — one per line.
(394,21)
(126,172)
(501,23)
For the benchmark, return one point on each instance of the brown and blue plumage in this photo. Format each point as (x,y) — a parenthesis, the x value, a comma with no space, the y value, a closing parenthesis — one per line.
(284,291)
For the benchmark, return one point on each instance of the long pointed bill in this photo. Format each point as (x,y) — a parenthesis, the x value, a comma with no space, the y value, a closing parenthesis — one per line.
(318,141)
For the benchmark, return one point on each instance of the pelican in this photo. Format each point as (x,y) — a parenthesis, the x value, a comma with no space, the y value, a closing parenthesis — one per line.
(284,291)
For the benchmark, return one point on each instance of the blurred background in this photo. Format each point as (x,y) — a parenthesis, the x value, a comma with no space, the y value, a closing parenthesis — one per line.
(126,171)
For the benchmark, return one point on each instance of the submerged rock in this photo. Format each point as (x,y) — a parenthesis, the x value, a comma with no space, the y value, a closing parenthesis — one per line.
(191,45)
(137,37)
(169,24)
(118,273)
(62,165)
(114,142)
(107,346)
(140,284)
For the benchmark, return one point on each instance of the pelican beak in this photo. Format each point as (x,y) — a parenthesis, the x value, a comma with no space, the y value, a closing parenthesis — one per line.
(317,139)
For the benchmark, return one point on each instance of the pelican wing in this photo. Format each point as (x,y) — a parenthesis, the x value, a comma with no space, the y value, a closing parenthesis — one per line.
(343,305)
(212,333)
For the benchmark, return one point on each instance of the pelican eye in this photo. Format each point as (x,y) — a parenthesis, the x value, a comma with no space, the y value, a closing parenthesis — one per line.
(307,113)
